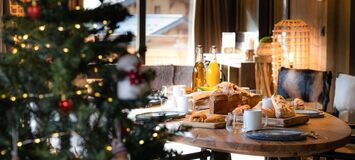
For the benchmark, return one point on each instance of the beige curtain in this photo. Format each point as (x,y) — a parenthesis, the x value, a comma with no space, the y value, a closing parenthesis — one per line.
(212,17)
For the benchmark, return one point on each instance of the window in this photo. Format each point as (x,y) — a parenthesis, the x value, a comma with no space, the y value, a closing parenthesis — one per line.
(169,35)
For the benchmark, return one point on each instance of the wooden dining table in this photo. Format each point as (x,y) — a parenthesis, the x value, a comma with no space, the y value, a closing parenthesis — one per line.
(331,133)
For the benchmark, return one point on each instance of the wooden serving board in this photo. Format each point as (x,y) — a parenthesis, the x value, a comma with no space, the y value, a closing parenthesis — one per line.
(284,122)
(204,125)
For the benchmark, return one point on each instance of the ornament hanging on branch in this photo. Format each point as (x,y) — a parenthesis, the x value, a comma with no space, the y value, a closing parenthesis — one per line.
(34,10)
(65,104)
(134,84)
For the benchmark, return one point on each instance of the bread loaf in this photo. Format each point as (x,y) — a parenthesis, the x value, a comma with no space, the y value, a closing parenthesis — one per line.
(219,104)
(234,100)
(282,108)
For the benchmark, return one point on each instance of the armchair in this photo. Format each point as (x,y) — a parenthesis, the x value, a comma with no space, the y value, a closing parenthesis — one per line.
(309,85)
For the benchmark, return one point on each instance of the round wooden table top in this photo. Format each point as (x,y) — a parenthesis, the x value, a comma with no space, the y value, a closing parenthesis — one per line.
(332,133)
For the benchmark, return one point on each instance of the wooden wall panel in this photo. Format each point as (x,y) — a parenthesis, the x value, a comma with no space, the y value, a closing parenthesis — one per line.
(314,13)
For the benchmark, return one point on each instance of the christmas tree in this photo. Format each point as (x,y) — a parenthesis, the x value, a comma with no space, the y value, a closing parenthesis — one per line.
(58,86)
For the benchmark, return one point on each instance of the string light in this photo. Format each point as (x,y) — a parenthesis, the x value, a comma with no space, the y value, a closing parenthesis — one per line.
(83,55)
(128,129)
(48,45)
(41,96)
(141,142)
(155,135)
(22,61)
(95,26)
(14,51)
(19,144)
(109,99)
(96,70)
(104,22)
(55,135)
(97,94)
(16,38)
(23,45)
(60,29)
(37,140)
(13,98)
(110,60)
(100,84)
(3,152)
(42,28)
(25,95)
(124,140)
(108,148)
(157,128)
(77,26)
(36,47)
(25,37)
(3,96)
(78,92)
(77,8)
(65,50)
(99,57)
(110,31)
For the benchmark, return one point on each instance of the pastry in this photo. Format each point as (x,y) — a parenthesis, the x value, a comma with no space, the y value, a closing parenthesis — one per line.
(282,108)
(298,103)
(270,113)
(198,116)
(240,110)
(214,118)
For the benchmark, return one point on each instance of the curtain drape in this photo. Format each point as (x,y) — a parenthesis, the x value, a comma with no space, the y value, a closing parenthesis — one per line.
(212,17)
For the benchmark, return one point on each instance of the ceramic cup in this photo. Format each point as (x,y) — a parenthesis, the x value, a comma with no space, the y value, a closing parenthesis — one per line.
(178,90)
(183,103)
(252,120)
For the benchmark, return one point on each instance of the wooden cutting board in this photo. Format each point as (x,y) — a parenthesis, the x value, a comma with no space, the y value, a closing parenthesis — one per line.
(204,125)
(284,122)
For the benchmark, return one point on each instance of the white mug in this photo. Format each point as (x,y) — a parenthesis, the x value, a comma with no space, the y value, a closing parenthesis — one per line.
(183,103)
(252,120)
(178,90)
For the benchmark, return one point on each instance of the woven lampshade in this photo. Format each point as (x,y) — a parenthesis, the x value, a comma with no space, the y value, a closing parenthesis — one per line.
(294,37)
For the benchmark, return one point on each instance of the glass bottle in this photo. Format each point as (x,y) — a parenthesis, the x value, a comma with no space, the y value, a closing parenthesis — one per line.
(213,73)
(199,71)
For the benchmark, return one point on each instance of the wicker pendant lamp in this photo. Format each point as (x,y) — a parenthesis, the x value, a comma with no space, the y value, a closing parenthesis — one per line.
(294,37)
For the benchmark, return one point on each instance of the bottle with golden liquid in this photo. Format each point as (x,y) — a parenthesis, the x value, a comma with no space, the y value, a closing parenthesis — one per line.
(213,73)
(199,71)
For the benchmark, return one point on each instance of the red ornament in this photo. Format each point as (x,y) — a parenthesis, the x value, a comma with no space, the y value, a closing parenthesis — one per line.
(134,77)
(33,11)
(65,104)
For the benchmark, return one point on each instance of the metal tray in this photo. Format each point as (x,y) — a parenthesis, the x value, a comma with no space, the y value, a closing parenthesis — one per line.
(277,135)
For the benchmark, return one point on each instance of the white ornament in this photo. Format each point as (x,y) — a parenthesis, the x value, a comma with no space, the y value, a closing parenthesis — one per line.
(132,86)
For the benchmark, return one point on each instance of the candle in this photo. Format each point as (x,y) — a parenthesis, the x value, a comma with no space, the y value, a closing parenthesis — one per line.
(251,44)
